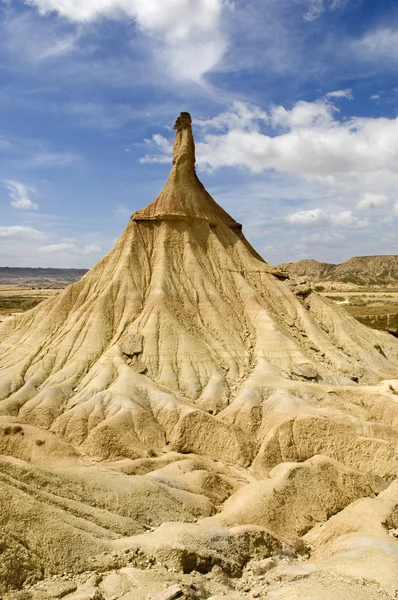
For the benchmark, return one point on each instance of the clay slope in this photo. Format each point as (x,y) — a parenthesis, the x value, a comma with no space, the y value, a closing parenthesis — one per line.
(180,379)
(360,270)
(312,269)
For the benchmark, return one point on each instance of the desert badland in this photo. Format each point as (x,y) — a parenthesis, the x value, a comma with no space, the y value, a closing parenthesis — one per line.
(186,421)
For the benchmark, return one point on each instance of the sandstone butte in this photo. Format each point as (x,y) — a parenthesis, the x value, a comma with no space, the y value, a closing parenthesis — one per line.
(187,422)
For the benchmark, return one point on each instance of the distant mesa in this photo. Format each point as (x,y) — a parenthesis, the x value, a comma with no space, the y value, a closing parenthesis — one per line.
(360,270)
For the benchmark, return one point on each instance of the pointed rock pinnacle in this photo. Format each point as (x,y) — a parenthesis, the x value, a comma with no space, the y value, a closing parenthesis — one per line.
(184,197)
(184,145)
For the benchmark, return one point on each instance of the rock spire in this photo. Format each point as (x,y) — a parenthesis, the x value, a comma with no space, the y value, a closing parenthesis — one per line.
(184,196)
(184,144)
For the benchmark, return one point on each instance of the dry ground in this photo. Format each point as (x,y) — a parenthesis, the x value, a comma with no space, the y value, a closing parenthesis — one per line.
(16,299)
(373,307)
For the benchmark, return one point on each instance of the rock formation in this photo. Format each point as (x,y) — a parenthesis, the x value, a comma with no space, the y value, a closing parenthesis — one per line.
(181,380)
(359,270)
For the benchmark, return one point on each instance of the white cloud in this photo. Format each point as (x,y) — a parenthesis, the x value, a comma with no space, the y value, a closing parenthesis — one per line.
(91,249)
(19,194)
(375,97)
(372,201)
(241,116)
(188,30)
(347,94)
(331,241)
(318,217)
(317,7)
(20,233)
(61,247)
(345,218)
(59,47)
(380,43)
(310,218)
(27,38)
(69,246)
(303,115)
(166,148)
(313,143)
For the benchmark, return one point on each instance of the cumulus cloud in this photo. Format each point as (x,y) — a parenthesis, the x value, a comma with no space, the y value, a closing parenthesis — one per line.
(302,115)
(19,232)
(307,140)
(380,43)
(318,217)
(19,194)
(347,94)
(189,30)
(372,201)
(309,218)
(241,116)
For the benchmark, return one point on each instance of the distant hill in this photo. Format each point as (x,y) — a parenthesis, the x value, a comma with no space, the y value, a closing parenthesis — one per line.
(360,270)
(46,278)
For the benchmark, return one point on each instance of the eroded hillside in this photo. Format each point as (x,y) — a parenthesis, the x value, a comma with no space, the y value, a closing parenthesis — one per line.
(184,423)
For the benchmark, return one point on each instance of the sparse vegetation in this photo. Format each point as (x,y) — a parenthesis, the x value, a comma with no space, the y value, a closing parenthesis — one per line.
(17,300)
(301,547)
(13,430)
(11,304)
(336,298)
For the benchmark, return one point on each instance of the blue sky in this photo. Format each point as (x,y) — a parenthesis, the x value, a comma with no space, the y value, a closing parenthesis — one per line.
(294,105)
